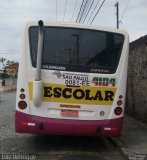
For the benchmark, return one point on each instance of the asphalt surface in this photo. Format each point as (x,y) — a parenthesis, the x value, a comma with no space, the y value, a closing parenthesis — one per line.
(133,141)
(27,146)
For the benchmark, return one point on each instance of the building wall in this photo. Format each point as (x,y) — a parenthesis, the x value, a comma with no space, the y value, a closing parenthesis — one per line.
(136,101)
(8,84)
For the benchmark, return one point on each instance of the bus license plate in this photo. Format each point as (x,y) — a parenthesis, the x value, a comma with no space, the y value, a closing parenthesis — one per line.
(69,113)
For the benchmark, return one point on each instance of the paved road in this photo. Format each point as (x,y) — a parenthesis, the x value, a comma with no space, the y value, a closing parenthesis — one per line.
(13,145)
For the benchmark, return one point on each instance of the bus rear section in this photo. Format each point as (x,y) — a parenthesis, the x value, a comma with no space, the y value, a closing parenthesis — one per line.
(72,80)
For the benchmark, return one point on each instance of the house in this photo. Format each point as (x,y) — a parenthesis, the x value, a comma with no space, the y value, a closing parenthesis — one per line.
(12,69)
(8,77)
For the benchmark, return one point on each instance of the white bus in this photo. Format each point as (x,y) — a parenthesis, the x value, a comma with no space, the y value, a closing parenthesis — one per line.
(72,80)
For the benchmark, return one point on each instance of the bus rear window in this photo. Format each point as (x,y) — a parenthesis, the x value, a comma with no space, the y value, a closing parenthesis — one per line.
(77,50)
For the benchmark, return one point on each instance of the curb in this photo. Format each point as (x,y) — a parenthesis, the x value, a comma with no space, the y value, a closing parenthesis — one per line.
(123,147)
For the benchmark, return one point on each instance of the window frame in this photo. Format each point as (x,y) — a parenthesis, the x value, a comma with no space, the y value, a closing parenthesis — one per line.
(81,68)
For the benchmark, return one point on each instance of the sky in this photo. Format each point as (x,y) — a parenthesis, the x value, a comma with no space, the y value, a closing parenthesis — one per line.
(15,13)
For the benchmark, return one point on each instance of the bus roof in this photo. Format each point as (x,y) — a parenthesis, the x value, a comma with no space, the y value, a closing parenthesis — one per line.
(79,25)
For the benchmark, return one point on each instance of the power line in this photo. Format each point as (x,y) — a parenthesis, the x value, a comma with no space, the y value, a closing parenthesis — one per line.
(88,11)
(85,6)
(97,11)
(80,10)
(93,10)
(124,11)
(56,10)
(74,10)
(65,10)
(122,25)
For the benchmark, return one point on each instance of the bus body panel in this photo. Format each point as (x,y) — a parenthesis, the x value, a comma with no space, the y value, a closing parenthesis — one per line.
(93,118)
(39,125)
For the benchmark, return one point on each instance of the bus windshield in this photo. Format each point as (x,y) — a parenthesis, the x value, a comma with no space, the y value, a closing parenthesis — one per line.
(79,50)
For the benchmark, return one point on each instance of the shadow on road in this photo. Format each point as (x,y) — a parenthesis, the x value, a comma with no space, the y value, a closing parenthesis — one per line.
(69,143)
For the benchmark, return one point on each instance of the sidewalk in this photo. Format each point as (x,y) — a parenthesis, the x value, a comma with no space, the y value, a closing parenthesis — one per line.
(133,141)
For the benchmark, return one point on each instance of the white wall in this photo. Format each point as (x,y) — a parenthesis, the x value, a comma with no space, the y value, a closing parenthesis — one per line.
(10,84)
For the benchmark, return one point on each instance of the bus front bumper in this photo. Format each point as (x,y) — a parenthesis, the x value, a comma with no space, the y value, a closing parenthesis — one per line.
(25,123)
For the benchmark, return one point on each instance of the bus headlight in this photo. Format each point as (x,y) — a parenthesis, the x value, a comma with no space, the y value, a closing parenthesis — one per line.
(22,105)
(22,90)
(22,96)
(118,111)
(119,102)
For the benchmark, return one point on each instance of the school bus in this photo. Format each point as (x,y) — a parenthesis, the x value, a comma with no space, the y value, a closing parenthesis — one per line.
(72,80)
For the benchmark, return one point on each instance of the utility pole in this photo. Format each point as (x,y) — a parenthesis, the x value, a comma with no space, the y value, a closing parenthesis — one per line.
(117,14)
